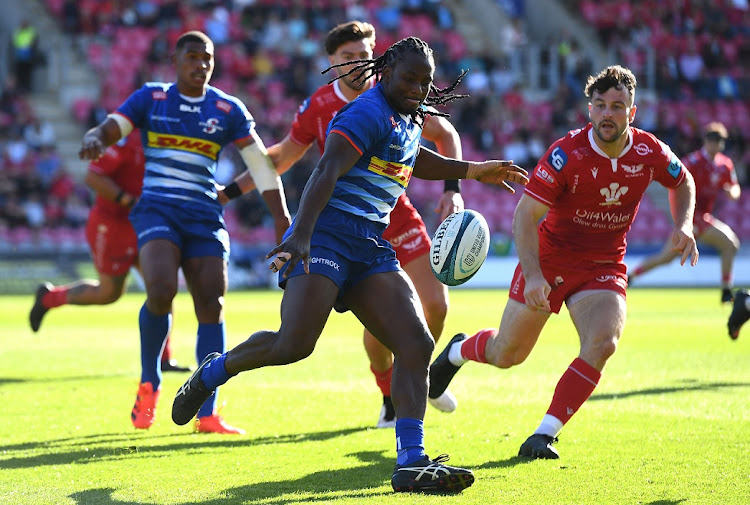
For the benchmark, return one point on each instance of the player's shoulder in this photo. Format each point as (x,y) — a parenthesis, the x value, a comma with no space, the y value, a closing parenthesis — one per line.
(723,159)
(573,147)
(224,100)
(153,91)
(323,99)
(646,143)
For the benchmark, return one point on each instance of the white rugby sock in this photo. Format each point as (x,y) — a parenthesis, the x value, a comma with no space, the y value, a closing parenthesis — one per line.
(455,356)
(550,426)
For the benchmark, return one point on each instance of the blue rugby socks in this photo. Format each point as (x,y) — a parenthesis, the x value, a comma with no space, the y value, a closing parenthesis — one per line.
(154,331)
(211,338)
(409,440)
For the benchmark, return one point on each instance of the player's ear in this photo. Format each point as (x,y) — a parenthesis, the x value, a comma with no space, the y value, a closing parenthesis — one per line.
(631,116)
(386,74)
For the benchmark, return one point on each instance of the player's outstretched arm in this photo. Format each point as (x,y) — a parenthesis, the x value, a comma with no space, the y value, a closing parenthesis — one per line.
(98,139)
(682,205)
(432,166)
(498,172)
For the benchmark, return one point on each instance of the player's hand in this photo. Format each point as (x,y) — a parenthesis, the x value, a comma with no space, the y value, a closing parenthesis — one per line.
(449,202)
(497,172)
(536,294)
(683,242)
(222,197)
(290,252)
(92,148)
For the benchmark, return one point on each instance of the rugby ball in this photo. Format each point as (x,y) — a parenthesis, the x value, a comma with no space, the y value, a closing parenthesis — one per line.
(459,247)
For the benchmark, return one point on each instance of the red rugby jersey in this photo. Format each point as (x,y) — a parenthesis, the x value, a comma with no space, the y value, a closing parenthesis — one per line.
(710,178)
(593,199)
(124,163)
(312,118)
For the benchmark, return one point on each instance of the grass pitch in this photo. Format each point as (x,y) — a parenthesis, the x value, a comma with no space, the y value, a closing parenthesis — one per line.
(668,424)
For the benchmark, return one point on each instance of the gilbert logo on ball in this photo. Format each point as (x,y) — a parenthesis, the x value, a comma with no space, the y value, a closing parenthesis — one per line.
(459,247)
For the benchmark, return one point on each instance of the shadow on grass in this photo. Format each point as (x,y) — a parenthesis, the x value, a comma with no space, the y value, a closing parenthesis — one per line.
(97,448)
(320,486)
(690,385)
(504,463)
(4,381)
(666,502)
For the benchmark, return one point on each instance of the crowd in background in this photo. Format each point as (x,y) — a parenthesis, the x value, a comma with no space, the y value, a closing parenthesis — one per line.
(269,53)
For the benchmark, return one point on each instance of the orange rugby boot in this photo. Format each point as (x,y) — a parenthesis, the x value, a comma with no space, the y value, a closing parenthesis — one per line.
(216,424)
(144,409)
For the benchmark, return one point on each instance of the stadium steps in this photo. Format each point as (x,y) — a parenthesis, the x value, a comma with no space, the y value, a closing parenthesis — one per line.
(65,78)
(477,39)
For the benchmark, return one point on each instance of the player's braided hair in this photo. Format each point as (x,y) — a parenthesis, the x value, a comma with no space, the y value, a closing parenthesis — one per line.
(392,56)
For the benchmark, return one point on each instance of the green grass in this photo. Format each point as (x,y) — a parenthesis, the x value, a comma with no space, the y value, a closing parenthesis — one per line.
(668,424)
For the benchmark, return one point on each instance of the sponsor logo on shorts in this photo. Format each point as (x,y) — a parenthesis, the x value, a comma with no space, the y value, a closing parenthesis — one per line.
(611,278)
(325,261)
(400,239)
(516,283)
(153,229)
(412,244)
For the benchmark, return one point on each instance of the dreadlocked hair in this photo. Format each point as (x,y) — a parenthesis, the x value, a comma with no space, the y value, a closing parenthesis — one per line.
(393,55)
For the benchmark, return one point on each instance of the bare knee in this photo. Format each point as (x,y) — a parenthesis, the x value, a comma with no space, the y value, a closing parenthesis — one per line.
(506,359)
(110,296)
(414,352)
(435,307)
(285,353)
(290,348)
(209,308)
(160,296)
(598,352)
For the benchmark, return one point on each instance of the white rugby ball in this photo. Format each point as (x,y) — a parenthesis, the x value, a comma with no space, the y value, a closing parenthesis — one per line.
(459,247)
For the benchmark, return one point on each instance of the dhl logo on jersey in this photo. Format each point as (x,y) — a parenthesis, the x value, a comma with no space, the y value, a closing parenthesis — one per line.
(397,172)
(189,144)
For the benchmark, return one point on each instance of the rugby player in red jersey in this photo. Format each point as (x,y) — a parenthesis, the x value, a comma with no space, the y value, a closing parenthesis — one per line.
(116,178)
(407,234)
(714,174)
(569,228)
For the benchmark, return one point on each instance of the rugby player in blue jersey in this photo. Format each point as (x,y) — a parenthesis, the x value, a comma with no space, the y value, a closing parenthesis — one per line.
(179,217)
(334,255)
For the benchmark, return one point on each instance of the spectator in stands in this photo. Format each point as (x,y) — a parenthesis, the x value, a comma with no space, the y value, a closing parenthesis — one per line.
(39,134)
(714,174)
(571,251)
(178,219)
(25,54)
(116,179)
